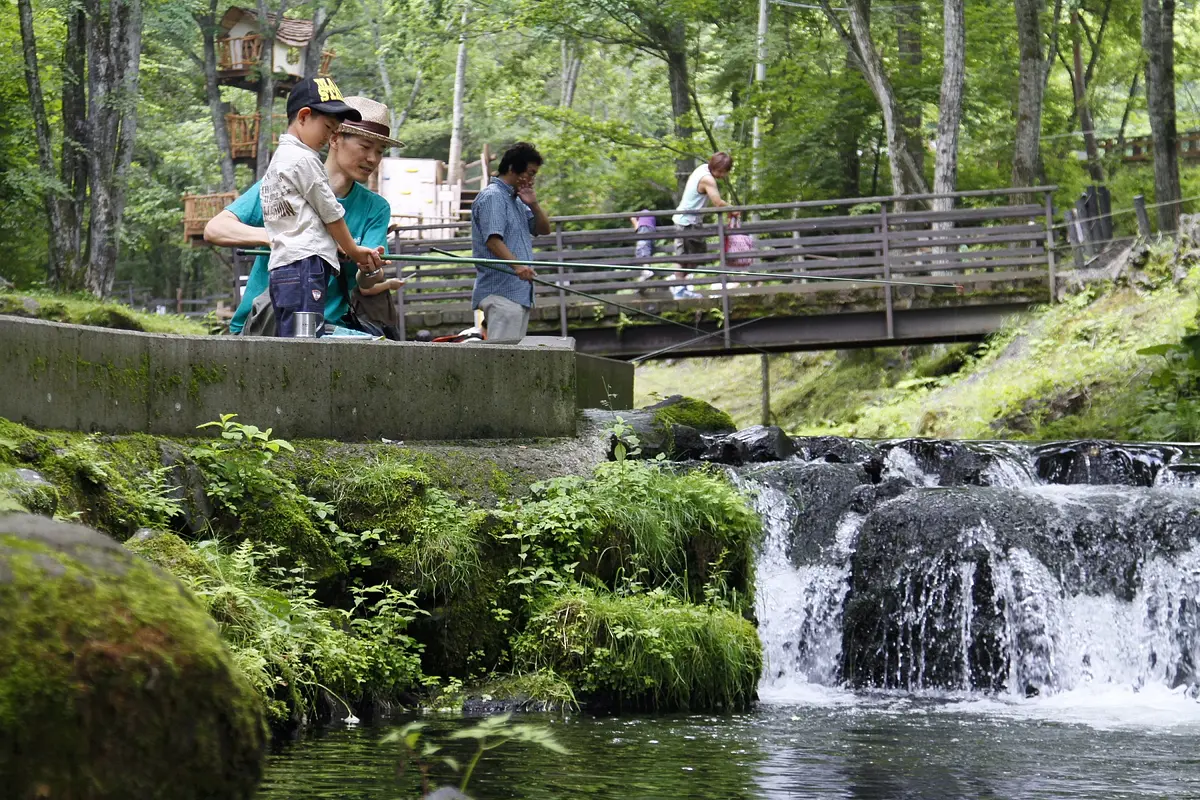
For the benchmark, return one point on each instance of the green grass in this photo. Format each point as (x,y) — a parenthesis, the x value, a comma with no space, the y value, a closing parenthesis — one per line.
(87,310)
(1060,371)
(647,650)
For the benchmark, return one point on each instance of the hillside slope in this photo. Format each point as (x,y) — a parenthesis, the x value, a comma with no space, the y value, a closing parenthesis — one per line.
(1070,370)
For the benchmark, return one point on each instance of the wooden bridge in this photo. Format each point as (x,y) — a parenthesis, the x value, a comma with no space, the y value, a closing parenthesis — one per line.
(964,270)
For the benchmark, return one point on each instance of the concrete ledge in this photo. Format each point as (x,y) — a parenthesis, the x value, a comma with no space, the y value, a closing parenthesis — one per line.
(82,378)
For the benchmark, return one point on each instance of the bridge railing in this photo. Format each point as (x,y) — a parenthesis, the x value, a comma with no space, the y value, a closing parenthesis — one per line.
(987,239)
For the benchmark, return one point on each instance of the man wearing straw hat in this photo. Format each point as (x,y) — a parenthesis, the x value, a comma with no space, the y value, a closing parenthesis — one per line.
(355,151)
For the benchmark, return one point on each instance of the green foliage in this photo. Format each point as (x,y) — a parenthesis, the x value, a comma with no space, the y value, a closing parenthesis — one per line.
(649,650)
(637,524)
(287,644)
(417,749)
(268,507)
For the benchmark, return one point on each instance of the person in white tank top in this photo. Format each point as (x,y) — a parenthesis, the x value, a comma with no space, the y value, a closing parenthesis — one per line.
(700,190)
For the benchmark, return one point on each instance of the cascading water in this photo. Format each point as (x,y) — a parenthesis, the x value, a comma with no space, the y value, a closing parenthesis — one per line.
(937,566)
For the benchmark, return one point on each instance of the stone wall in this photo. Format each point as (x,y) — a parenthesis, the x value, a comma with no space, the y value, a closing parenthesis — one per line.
(81,378)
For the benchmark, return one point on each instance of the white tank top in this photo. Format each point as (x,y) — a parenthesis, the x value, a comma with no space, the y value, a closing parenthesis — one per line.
(692,199)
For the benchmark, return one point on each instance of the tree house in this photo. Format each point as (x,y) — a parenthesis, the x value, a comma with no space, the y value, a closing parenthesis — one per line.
(243,135)
(239,50)
(198,209)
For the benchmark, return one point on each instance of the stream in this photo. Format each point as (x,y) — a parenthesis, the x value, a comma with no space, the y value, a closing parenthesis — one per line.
(939,620)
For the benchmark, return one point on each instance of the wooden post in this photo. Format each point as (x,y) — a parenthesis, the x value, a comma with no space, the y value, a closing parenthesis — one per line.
(562,295)
(1082,228)
(400,313)
(1143,219)
(724,277)
(485,167)
(1077,248)
(178,299)
(766,390)
(1050,245)
(887,271)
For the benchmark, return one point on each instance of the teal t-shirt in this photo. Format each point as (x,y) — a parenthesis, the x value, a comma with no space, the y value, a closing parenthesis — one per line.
(367,217)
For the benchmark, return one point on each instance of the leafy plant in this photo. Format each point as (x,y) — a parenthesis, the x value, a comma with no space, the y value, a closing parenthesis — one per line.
(489,734)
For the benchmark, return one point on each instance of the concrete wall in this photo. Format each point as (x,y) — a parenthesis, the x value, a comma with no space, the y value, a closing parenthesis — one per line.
(94,379)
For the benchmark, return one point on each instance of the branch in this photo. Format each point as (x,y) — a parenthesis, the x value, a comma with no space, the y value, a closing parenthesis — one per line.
(844,35)
(1096,47)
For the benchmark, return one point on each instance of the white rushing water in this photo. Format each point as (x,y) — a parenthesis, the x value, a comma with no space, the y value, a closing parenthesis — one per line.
(1096,659)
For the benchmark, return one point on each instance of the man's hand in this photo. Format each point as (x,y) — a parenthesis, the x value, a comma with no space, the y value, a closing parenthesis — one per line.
(526,192)
(524,272)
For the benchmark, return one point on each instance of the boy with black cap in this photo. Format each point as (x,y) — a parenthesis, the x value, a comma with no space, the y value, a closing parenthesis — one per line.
(300,211)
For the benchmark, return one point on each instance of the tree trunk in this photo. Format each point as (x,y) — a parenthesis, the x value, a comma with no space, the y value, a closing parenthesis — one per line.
(848,137)
(945,169)
(63,267)
(572,61)
(674,40)
(1079,80)
(906,175)
(456,124)
(908,42)
(216,107)
(1026,169)
(75,125)
(114,37)
(314,53)
(266,85)
(1158,40)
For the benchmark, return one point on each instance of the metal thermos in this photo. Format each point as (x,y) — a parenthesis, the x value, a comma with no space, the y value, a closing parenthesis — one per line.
(307,324)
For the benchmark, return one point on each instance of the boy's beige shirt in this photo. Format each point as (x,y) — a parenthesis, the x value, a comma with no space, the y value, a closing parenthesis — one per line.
(297,204)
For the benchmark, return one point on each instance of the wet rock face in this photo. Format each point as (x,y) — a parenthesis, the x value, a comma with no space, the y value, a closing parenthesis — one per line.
(114,682)
(823,493)
(1101,463)
(923,557)
(756,444)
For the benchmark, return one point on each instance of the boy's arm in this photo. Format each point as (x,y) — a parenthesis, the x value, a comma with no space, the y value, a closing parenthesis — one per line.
(363,256)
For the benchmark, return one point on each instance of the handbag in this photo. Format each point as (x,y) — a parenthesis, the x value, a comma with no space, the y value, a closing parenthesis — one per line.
(261,319)
(375,314)
(738,243)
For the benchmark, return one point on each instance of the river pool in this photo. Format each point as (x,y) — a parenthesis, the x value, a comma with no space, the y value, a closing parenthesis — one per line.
(1117,744)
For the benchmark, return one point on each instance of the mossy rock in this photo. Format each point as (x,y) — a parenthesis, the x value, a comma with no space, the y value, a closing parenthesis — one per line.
(692,413)
(113,681)
(26,490)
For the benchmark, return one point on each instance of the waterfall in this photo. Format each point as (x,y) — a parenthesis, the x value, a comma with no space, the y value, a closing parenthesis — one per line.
(992,569)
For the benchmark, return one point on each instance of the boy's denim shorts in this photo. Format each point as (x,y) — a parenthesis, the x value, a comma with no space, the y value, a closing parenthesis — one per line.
(296,287)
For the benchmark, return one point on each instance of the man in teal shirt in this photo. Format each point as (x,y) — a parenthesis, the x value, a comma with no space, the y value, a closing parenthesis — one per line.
(354,153)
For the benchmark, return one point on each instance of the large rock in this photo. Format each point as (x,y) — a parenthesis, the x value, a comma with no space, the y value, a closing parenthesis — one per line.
(1100,463)
(672,427)
(906,623)
(113,680)
(754,444)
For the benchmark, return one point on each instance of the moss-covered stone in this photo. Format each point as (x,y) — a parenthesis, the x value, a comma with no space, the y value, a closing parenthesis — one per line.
(26,490)
(692,413)
(113,680)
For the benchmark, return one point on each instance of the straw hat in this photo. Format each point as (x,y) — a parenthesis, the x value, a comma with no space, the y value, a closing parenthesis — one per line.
(376,122)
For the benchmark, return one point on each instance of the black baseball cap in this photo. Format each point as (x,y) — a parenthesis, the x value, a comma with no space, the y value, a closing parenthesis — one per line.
(322,95)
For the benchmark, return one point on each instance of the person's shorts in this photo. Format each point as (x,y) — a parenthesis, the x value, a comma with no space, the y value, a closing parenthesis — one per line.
(691,246)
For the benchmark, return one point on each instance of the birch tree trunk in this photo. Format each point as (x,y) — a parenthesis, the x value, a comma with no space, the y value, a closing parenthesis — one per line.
(114,37)
(945,167)
(572,61)
(1026,167)
(1158,40)
(454,170)
(216,107)
(906,176)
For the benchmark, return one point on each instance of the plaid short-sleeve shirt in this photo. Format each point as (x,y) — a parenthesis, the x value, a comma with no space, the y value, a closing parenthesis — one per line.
(498,211)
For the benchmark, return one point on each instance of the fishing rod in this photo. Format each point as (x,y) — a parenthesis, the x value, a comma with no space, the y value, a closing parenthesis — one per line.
(773,276)
(702,337)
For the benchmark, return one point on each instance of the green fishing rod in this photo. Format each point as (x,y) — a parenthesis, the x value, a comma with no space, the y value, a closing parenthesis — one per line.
(771,276)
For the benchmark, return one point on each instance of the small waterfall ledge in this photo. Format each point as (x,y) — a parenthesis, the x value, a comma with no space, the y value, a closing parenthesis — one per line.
(995,568)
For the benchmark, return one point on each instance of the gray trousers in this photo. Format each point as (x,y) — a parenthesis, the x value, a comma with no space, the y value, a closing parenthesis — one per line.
(505,320)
